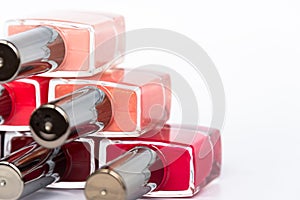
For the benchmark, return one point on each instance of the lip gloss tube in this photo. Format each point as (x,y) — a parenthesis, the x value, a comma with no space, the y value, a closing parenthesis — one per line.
(62,44)
(33,167)
(140,99)
(19,99)
(188,158)
(70,117)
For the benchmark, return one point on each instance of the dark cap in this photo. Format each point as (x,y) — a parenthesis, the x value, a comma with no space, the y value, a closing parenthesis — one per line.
(9,61)
(49,125)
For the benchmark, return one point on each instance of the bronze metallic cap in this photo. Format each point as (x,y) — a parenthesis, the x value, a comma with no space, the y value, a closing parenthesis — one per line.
(105,184)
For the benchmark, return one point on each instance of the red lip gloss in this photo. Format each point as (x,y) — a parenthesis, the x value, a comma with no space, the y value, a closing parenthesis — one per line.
(19,99)
(62,44)
(187,159)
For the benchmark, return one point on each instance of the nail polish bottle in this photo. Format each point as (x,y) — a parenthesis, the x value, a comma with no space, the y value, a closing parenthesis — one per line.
(33,167)
(178,162)
(61,44)
(118,105)
(19,99)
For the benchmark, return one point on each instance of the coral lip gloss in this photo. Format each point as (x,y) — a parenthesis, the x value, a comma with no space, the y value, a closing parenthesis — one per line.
(116,105)
(140,99)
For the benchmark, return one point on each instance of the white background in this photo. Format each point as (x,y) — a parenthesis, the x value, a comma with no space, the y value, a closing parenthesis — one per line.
(255,46)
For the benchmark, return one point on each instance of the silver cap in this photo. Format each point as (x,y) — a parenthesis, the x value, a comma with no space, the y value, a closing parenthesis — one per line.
(11,183)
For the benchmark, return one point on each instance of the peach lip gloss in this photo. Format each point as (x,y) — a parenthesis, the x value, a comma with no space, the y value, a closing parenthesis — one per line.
(66,44)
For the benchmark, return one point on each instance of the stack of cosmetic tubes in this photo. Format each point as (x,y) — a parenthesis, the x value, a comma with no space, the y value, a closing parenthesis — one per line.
(71,119)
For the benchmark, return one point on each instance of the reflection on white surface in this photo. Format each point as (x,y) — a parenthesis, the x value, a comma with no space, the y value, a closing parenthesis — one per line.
(208,193)
(51,194)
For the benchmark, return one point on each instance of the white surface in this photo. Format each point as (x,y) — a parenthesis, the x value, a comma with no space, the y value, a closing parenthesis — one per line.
(256,48)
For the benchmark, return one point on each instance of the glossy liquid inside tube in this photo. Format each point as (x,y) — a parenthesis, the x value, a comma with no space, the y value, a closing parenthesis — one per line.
(19,99)
(5,105)
(29,53)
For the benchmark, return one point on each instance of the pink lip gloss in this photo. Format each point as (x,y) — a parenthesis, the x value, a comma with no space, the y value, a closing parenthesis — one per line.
(63,44)
(175,162)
